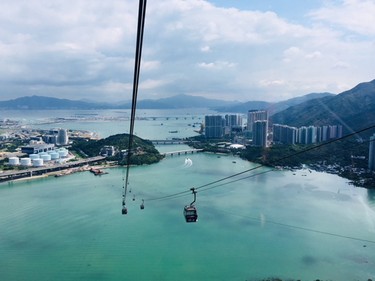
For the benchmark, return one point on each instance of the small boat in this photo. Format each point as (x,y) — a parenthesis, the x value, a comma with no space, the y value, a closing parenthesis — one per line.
(97,172)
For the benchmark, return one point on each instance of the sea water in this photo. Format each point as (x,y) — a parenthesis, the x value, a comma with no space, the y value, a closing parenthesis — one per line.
(303,225)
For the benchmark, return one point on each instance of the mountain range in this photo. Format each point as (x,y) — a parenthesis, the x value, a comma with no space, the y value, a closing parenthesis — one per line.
(175,102)
(354,108)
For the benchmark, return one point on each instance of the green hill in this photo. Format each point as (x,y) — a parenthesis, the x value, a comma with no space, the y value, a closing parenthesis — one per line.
(144,152)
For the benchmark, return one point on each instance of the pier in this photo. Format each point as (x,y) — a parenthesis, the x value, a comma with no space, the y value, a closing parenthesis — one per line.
(182,152)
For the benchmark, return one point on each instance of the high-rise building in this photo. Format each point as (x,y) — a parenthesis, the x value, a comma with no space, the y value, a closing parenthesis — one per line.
(50,139)
(233,120)
(233,123)
(214,126)
(371,154)
(62,137)
(302,135)
(255,115)
(260,130)
(284,134)
(311,134)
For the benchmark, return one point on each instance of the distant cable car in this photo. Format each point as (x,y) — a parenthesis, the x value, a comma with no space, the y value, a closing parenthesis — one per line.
(142,205)
(190,212)
(124,210)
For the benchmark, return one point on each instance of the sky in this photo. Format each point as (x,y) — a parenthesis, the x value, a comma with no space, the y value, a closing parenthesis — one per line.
(242,50)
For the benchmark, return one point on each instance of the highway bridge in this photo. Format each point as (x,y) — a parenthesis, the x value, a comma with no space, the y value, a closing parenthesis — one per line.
(182,152)
(172,141)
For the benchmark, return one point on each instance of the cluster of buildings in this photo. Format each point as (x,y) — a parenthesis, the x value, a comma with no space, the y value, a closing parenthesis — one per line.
(283,134)
(257,130)
(257,133)
(44,149)
(56,136)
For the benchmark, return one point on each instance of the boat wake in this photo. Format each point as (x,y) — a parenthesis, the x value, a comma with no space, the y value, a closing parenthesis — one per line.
(188,163)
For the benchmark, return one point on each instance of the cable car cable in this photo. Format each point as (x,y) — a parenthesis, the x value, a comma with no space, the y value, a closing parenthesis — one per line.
(301,228)
(137,66)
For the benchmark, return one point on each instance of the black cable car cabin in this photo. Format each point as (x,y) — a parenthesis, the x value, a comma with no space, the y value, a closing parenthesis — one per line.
(142,206)
(190,212)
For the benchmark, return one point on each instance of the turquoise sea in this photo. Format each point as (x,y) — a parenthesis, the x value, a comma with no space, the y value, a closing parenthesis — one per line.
(302,225)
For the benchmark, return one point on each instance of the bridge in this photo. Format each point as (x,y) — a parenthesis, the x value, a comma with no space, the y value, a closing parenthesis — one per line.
(172,141)
(182,152)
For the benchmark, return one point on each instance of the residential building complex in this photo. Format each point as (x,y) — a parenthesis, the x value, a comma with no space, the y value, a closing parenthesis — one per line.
(283,134)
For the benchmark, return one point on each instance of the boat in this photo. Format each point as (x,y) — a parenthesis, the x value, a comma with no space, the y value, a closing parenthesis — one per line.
(97,172)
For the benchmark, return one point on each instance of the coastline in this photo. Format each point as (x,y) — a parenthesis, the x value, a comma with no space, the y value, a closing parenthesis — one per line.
(66,172)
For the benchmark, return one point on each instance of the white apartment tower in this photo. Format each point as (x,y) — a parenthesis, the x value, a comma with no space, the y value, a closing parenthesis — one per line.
(255,115)
(62,137)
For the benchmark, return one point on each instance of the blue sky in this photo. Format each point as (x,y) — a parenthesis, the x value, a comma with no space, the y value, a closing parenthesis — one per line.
(241,50)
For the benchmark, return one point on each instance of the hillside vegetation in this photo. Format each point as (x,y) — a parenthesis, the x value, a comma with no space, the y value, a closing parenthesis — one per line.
(144,152)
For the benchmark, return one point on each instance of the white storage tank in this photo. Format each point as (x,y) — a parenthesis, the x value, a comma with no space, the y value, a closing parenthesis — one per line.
(46,157)
(55,155)
(38,162)
(34,156)
(63,153)
(14,161)
(25,161)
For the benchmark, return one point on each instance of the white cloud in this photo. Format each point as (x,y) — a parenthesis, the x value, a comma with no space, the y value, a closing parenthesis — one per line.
(218,65)
(205,49)
(354,15)
(84,48)
(150,65)
(271,83)
(152,84)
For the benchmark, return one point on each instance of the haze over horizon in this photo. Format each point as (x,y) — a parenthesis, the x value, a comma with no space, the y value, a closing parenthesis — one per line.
(231,50)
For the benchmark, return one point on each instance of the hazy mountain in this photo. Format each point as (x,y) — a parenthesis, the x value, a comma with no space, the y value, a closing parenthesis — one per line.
(180,101)
(271,107)
(243,107)
(175,102)
(280,106)
(40,103)
(354,109)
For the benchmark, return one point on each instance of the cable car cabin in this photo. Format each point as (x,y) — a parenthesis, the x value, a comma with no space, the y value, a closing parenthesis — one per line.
(142,206)
(190,213)
(124,211)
